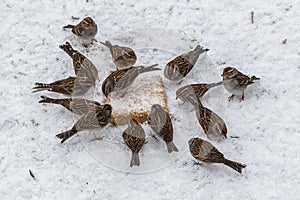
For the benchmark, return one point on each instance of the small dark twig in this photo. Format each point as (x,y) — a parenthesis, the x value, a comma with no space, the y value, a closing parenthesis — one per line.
(252,17)
(234,137)
(32,175)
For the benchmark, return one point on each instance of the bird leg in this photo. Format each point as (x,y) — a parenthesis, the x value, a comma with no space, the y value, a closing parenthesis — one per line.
(230,98)
(242,98)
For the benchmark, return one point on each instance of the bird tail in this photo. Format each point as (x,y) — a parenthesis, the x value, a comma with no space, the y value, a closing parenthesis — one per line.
(69,26)
(253,78)
(41,87)
(144,69)
(199,49)
(66,135)
(50,100)
(171,147)
(234,165)
(107,44)
(68,49)
(135,159)
(215,84)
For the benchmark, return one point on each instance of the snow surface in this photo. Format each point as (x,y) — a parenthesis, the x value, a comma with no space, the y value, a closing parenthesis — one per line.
(267,122)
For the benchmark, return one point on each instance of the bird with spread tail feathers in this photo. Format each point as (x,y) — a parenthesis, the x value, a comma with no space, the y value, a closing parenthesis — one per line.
(86,30)
(161,123)
(134,138)
(83,67)
(122,79)
(204,151)
(180,66)
(71,86)
(94,119)
(123,57)
(75,105)
(236,82)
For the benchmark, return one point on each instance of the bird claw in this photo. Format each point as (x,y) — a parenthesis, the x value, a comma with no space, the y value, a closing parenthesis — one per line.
(230,98)
(198,163)
(97,138)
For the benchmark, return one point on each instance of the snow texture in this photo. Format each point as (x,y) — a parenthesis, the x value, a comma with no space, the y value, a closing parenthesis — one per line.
(267,122)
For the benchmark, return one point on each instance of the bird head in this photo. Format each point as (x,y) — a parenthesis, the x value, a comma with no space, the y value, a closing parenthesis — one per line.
(229,72)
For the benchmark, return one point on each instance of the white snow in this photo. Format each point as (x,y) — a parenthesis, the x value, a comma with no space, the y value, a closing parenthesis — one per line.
(267,122)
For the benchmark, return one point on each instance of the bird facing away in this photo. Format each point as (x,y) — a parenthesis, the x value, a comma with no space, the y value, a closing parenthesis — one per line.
(77,106)
(161,123)
(94,119)
(83,67)
(204,151)
(86,30)
(123,57)
(71,86)
(122,79)
(134,138)
(213,125)
(180,66)
(194,89)
(236,82)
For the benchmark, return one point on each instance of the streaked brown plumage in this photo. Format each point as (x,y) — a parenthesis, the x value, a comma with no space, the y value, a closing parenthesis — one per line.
(161,123)
(180,66)
(134,138)
(194,89)
(213,125)
(83,67)
(75,105)
(204,151)
(86,30)
(236,82)
(71,86)
(94,119)
(122,79)
(123,57)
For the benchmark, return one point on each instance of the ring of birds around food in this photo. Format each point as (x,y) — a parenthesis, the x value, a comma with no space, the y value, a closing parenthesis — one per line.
(93,115)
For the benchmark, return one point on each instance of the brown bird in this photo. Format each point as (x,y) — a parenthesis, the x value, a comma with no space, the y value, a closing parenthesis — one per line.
(123,57)
(122,79)
(86,30)
(94,119)
(134,138)
(204,151)
(180,66)
(236,82)
(83,67)
(194,89)
(161,123)
(71,86)
(213,125)
(75,105)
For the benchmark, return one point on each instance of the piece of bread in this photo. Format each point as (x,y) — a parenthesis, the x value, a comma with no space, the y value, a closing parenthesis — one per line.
(146,90)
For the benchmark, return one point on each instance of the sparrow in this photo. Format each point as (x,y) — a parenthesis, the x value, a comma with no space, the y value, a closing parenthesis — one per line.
(83,67)
(71,86)
(213,125)
(236,82)
(180,66)
(134,138)
(75,105)
(123,57)
(204,151)
(86,30)
(94,119)
(160,122)
(122,79)
(195,89)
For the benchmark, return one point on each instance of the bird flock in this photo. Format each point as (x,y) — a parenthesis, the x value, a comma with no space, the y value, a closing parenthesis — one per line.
(94,115)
